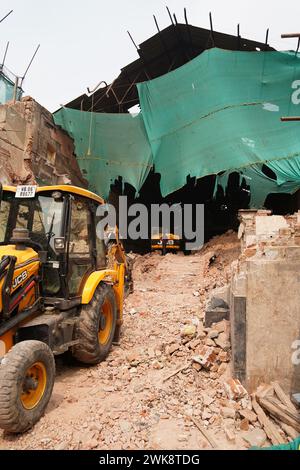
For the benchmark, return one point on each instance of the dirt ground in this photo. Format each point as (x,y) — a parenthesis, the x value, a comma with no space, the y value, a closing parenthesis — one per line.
(128,401)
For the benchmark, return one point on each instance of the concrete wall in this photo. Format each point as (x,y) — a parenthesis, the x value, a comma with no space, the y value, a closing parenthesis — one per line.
(33,148)
(264,301)
(273,318)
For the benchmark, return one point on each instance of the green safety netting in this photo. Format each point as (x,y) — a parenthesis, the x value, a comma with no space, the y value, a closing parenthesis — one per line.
(260,184)
(108,146)
(7,89)
(219,112)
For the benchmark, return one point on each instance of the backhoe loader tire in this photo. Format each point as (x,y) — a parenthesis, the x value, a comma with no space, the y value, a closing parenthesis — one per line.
(27,374)
(96,327)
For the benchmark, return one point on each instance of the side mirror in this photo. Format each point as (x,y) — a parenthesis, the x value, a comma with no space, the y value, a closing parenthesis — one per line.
(59,245)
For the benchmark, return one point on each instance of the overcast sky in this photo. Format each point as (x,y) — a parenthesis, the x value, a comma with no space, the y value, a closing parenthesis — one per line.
(83,42)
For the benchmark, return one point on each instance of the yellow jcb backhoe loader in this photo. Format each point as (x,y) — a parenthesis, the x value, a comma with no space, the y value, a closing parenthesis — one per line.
(61,288)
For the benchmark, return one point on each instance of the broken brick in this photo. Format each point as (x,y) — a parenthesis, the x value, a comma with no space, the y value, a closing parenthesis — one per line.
(227,412)
(223,341)
(256,437)
(223,356)
(207,399)
(212,334)
(172,348)
(244,425)
(229,434)
(222,368)
(206,414)
(221,326)
(249,415)
(234,389)
(194,343)
(209,342)
(206,357)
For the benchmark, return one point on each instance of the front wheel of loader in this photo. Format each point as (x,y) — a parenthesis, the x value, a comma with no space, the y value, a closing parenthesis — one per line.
(96,327)
(27,374)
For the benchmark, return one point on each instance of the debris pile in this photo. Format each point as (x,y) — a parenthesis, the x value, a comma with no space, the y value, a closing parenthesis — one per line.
(277,414)
(150,392)
(168,384)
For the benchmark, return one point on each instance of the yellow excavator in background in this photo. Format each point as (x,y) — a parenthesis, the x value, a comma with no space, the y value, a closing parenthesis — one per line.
(61,288)
(162,240)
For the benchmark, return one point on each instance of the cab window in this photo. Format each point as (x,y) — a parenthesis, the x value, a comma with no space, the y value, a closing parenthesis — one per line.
(47,222)
(4,214)
(100,245)
(79,236)
(22,216)
(80,245)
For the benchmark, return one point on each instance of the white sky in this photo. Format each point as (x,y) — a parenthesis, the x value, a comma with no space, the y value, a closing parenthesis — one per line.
(83,42)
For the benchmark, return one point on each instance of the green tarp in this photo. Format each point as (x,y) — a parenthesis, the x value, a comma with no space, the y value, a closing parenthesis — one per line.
(108,146)
(219,112)
(7,89)
(260,184)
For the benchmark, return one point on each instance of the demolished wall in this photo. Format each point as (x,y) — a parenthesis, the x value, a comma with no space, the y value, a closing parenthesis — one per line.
(270,261)
(33,149)
(262,301)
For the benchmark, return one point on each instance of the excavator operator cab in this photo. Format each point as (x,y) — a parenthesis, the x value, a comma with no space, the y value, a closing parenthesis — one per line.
(61,227)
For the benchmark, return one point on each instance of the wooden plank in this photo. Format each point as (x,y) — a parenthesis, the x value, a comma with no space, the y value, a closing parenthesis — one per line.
(270,429)
(283,397)
(284,409)
(292,419)
(291,432)
(204,432)
(264,390)
(176,372)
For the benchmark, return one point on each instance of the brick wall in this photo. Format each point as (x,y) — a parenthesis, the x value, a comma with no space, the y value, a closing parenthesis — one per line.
(33,149)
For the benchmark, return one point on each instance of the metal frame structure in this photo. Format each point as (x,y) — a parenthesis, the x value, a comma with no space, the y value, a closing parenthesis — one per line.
(167,50)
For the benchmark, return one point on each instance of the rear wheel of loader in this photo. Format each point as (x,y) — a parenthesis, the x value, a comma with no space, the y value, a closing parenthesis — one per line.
(96,327)
(27,374)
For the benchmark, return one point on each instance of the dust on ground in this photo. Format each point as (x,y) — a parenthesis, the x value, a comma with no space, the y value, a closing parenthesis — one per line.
(128,401)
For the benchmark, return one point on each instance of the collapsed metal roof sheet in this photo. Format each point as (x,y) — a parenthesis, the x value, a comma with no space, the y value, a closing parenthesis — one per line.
(167,50)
